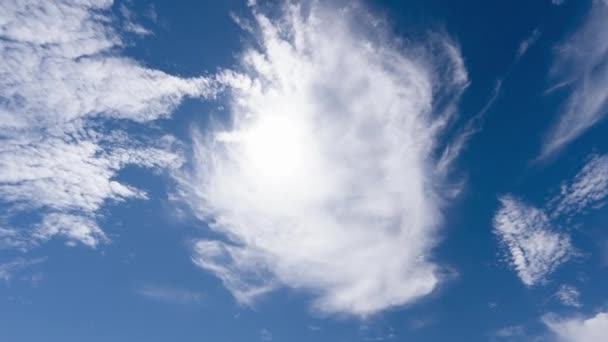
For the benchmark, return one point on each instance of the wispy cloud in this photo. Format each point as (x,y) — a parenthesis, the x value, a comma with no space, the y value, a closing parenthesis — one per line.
(265,335)
(569,295)
(535,248)
(325,177)
(581,65)
(60,63)
(527,43)
(67,175)
(62,72)
(469,129)
(12,238)
(10,268)
(170,294)
(588,190)
(593,329)
(531,235)
(511,332)
(130,23)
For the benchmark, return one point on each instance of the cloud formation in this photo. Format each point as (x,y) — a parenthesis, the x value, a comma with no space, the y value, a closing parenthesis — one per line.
(569,295)
(325,177)
(531,236)
(593,329)
(527,43)
(10,268)
(59,63)
(589,188)
(535,249)
(581,64)
(511,332)
(170,294)
(67,175)
(61,74)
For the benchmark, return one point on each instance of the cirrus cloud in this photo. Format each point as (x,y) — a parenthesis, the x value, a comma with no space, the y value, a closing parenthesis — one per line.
(581,64)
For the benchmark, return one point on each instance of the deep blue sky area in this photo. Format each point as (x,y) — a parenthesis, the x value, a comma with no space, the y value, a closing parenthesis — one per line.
(142,282)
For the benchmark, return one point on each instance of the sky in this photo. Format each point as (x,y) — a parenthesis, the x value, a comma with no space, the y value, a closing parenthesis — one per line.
(422,171)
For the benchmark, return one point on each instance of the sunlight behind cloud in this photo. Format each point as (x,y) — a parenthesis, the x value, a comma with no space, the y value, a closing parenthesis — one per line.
(325,179)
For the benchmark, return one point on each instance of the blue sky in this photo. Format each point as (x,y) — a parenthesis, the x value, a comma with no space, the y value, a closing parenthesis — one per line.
(303,171)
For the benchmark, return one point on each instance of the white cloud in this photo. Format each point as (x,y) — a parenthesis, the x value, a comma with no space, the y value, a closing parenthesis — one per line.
(569,295)
(265,335)
(59,63)
(8,269)
(69,174)
(416,324)
(469,129)
(527,43)
(514,331)
(593,329)
(62,71)
(170,294)
(581,64)
(12,238)
(589,188)
(535,249)
(74,227)
(130,24)
(325,178)
(73,170)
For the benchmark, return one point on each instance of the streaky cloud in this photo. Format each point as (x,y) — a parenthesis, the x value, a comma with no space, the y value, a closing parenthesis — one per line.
(67,175)
(527,43)
(588,190)
(581,65)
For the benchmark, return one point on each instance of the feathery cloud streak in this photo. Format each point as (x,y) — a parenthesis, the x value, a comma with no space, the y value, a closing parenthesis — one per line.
(582,64)
(589,188)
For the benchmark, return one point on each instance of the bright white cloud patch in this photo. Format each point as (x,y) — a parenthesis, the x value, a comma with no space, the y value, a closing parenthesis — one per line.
(68,174)
(593,329)
(581,64)
(325,177)
(535,249)
(60,67)
(58,64)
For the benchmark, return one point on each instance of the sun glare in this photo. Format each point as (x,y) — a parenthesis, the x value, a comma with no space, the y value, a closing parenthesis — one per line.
(277,148)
